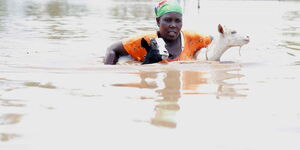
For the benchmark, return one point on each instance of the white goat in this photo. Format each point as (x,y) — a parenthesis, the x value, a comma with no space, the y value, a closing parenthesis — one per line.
(228,38)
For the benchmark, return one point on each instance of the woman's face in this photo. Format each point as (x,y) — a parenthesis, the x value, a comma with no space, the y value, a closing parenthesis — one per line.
(170,25)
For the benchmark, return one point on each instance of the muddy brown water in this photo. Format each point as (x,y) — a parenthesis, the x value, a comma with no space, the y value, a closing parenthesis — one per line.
(55,92)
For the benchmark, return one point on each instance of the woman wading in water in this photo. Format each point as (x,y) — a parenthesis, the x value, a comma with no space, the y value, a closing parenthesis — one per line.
(181,44)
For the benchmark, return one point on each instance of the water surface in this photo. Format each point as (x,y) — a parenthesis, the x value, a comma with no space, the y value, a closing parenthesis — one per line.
(55,92)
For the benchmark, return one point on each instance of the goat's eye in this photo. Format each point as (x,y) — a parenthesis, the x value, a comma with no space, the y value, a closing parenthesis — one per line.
(233,32)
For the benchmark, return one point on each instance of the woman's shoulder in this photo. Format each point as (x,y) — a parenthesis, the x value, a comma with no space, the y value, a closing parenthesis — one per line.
(192,33)
(195,35)
(138,37)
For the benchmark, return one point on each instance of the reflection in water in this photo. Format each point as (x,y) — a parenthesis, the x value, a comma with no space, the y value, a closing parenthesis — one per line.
(2,7)
(132,11)
(194,80)
(57,9)
(226,89)
(138,15)
(167,106)
(50,19)
(292,16)
(297,63)
(171,85)
(33,10)
(58,20)
(2,14)
(54,9)
(60,28)
(167,86)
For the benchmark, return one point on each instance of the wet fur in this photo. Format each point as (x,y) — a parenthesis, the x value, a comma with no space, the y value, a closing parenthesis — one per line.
(154,55)
(227,38)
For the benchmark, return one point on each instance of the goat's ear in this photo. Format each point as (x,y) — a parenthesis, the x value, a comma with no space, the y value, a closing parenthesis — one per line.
(220,29)
(145,44)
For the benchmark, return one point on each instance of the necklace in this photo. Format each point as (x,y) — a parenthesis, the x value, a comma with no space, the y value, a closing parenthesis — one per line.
(181,47)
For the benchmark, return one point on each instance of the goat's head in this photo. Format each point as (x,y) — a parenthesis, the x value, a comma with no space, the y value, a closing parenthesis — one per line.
(231,37)
(156,50)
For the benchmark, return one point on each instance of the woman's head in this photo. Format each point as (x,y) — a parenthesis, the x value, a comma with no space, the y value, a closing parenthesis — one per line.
(169,19)
(166,6)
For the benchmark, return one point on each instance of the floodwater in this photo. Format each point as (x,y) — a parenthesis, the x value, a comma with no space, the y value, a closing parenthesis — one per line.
(55,92)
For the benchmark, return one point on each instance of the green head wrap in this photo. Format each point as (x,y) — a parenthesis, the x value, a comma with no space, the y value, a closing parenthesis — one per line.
(166,6)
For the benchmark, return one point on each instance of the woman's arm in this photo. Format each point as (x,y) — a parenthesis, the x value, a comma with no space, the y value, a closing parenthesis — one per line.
(114,52)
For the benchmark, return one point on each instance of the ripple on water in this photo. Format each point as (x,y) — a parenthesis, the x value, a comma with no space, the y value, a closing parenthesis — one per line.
(291,33)
(11,103)
(37,84)
(297,63)
(4,137)
(8,119)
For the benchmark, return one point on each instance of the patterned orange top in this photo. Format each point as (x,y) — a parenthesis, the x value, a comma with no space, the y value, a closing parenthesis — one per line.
(193,42)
